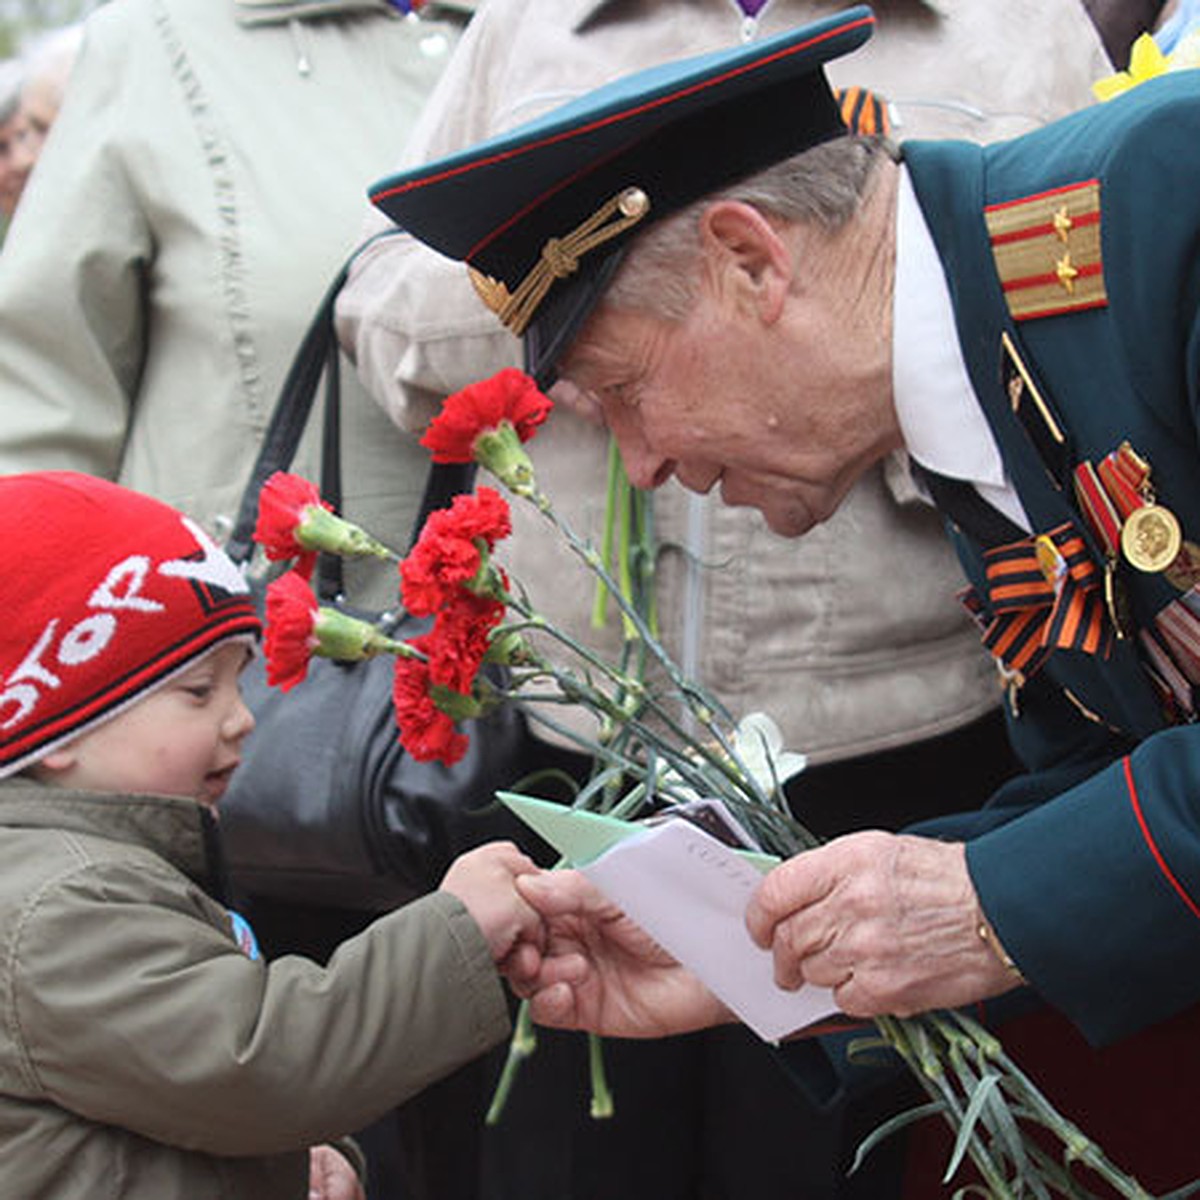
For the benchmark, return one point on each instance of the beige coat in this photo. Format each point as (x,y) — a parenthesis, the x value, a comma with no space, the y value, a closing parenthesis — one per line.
(144,1055)
(851,637)
(202,184)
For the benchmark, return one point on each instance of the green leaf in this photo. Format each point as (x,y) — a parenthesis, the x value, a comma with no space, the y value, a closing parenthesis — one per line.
(1188,1189)
(910,1116)
(970,1119)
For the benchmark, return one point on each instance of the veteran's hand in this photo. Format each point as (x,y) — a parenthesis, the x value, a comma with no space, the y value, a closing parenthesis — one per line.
(331,1176)
(890,922)
(603,973)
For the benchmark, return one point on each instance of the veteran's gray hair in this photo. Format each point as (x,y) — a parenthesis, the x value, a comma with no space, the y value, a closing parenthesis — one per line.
(822,186)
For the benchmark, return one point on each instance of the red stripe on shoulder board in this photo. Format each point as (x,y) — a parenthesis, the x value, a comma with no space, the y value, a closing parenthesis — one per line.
(1193,908)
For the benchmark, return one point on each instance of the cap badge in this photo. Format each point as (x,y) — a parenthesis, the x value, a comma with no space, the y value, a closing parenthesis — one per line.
(559,259)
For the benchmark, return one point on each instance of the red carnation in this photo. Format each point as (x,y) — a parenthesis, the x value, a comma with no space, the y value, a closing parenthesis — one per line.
(290,636)
(283,506)
(483,513)
(460,639)
(486,423)
(450,551)
(510,396)
(426,732)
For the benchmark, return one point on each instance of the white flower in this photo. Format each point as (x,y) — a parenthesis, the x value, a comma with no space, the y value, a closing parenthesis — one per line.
(759,745)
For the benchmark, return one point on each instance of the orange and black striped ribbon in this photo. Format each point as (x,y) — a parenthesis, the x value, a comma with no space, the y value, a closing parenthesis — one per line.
(863,111)
(1044,601)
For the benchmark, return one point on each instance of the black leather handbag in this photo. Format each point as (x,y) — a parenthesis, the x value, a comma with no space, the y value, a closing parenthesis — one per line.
(326,808)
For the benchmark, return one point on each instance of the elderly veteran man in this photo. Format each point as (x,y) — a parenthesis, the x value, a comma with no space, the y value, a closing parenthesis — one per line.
(774,315)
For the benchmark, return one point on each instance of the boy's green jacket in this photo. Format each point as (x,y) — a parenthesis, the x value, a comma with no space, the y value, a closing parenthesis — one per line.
(145,1053)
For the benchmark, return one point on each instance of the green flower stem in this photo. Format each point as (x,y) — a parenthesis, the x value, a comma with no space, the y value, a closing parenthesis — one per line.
(322,530)
(624,543)
(520,1046)
(701,706)
(576,690)
(1077,1146)
(912,1041)
(615,470)
(602,1101)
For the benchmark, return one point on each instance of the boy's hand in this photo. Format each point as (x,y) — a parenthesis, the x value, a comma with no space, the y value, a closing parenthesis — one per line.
(483,880)
(331,1177)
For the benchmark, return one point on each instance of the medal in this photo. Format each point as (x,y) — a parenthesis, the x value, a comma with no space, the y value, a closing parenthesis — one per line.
(1150,535)
(1151,538)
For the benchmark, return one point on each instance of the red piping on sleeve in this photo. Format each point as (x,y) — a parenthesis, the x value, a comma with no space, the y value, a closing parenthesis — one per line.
(1193,908)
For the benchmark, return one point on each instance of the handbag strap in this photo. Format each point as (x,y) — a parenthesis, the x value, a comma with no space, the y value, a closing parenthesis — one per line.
(319,356)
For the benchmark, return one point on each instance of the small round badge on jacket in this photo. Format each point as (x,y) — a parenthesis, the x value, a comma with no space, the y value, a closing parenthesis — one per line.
(1151,538)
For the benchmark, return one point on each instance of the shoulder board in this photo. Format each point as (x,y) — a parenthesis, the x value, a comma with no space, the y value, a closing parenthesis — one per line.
(1047,251)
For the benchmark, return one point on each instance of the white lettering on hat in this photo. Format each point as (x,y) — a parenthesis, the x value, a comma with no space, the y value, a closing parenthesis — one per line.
(81,643)
(121,590)
(31,665)
(25,694)
(132,575)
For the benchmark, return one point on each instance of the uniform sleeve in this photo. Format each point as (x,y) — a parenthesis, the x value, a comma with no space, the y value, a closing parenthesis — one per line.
(72,276)
(1096,894)
(135,1009)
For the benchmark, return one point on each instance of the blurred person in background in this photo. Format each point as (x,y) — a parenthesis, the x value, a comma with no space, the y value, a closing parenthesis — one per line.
(12,177)
(48,65)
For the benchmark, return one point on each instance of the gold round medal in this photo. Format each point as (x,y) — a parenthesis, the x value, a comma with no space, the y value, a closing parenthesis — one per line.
(1150,538)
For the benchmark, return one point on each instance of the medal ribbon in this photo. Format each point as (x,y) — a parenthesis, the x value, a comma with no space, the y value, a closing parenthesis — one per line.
(1126,478)
(1045,595)
(1102,516)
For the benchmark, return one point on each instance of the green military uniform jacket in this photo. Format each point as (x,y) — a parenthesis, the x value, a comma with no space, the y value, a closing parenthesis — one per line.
(1089,867)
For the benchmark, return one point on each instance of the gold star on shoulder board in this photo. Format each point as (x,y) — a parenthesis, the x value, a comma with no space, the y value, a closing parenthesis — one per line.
(1047,250)
(1066,273)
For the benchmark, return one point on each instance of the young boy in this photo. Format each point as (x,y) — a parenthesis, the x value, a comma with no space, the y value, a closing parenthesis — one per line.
(146,1050)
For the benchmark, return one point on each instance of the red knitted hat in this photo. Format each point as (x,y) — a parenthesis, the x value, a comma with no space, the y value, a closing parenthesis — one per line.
(104,595)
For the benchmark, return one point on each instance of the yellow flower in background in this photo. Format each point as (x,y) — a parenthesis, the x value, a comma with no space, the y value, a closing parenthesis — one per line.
(1146,61)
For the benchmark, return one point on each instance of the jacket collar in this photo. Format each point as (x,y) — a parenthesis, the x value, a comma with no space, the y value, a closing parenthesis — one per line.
(178,830)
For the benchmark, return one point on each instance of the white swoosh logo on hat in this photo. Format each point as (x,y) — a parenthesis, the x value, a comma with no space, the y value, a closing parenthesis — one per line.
(215,568)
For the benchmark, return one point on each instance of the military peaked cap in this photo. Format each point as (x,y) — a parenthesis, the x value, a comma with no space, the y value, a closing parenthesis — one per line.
(540,214)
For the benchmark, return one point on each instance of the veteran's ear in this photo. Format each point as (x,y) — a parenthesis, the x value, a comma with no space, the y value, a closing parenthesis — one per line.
(749,253)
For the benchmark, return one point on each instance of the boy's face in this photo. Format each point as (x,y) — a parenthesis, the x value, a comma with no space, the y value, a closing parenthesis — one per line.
(184,739)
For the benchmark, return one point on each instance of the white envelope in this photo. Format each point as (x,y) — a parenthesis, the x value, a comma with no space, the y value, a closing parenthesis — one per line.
(689,892)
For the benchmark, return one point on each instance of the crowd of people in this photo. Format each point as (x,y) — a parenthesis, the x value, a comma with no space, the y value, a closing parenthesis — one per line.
(855,339)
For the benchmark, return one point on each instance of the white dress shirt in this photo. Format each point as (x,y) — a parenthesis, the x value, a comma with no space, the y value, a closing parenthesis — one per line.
(941,420)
